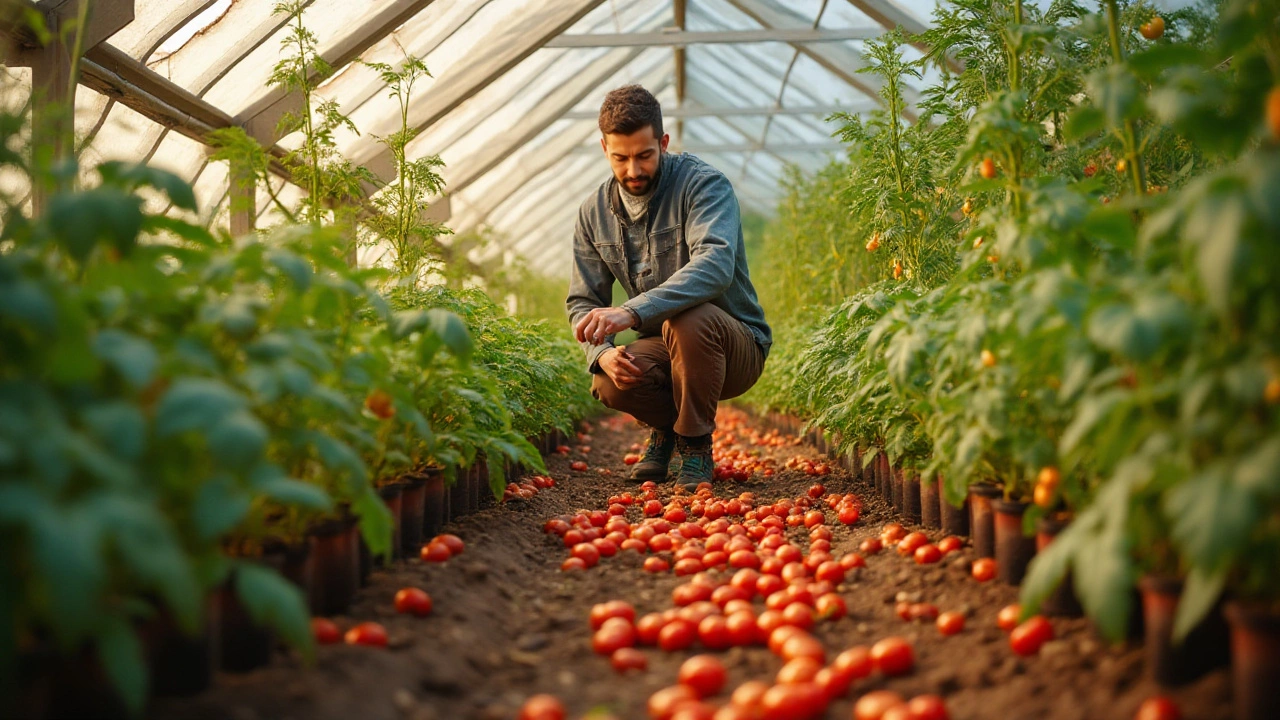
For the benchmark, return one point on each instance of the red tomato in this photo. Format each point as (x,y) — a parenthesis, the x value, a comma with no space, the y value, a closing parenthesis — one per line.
(1158,708)
(803,645)
(325,631)
(578,466)
(927,554)
(903,611)
(435,552)
(741,628)
(677,635)
(628,658)
(413,601)
(1027,638)
(542,707)
(927,707)
(648,627)
(453,542)
(893,656)
(587,553)
(984,569)
(571,564)
(793,702)
(950,544)
(848,514)
(834,683)
(704,673)
(799,670)
(814,518)
(924,611)
(367,633)
(910,543)
(874,704)
(892,533)
(871,546)
(614,634)
(656,565)
(831,571)
(852,560)
(573,537)
(799,615)
(664,703)
(713,632)
(856,661)
(780,635)
(817,491)
(1008,617)
(831,606)
(749,695)
(950,623)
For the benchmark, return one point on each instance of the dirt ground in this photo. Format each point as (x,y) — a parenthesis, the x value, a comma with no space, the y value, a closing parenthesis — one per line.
(508,624)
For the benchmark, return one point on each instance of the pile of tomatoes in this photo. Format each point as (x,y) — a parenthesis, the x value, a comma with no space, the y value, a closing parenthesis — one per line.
(527,488)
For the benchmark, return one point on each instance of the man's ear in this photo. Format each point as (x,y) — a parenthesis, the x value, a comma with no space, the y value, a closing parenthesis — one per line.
(603,146)
(666,139)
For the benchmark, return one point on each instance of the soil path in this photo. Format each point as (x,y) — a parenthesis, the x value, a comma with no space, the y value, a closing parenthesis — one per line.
(508,624)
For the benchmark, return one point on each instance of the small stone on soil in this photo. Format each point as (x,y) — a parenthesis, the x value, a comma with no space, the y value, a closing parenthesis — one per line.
(403,699)
(532,642)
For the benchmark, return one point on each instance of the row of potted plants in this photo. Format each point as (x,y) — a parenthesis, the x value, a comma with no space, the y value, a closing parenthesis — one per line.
(1099,369)
(194,426)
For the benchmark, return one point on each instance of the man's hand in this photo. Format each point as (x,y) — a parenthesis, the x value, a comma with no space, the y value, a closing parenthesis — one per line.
(621,368)
(600,323)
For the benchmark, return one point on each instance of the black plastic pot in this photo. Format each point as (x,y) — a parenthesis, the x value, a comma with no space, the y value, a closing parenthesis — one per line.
(413,501)
(74,687)
(335,567)
(1255,661)
(1014,550)
(955,520)
(459,494)
(857,464)
(1063,602)
(886,475)
(1206,648)
(982,519)
(911,499)
(392,495)
(293,561)
(180,664)
(436,503)
(877,475)
(930,504)
(245,645)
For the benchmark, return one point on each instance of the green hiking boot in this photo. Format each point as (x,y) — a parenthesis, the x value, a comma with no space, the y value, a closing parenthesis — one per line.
(696,463)
(657,457)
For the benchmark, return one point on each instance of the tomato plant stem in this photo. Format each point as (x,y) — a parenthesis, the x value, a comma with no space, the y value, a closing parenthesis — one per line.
(1137,172)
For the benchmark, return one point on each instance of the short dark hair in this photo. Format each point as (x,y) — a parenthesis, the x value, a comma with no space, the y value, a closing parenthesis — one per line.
(628,109)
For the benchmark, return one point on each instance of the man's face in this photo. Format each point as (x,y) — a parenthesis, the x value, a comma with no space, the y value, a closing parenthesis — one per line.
(635,158)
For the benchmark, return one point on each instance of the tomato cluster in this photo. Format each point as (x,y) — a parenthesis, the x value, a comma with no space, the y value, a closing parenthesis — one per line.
(527,488)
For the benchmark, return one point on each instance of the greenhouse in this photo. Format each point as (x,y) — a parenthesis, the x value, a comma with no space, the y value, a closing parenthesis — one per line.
(668,359)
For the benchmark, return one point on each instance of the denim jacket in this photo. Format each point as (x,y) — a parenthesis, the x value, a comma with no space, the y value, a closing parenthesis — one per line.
(695,253)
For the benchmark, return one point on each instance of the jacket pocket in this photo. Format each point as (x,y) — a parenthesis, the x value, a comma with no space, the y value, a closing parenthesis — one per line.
(662,242)
(611,253)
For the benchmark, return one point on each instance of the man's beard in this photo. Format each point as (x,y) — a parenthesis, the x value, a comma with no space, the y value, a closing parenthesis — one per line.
(643,183)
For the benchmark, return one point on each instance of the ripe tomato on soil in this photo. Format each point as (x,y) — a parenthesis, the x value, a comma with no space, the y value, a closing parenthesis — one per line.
(874,704)
(542,707)
(1007,618)
(893,656)
(1027,638)
(578,466)
(983,569)
(1158,708)
(950,623)
(453,542)
(367,633)
(628,658)
(435,552)
(325,631)
(705,674)
(413,601)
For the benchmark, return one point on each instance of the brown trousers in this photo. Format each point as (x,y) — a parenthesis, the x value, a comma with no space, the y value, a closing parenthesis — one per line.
(704,356)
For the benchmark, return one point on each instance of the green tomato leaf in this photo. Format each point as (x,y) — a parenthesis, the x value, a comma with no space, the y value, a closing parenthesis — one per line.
(1210,517)
(1199,595)
(219,507)
(238,440)
(131,356)
(81,219)
(296,268)
(1258,472)
(119,426)
(375,522)
(1104,581)
(26,302)
(122,659)
(195,403)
